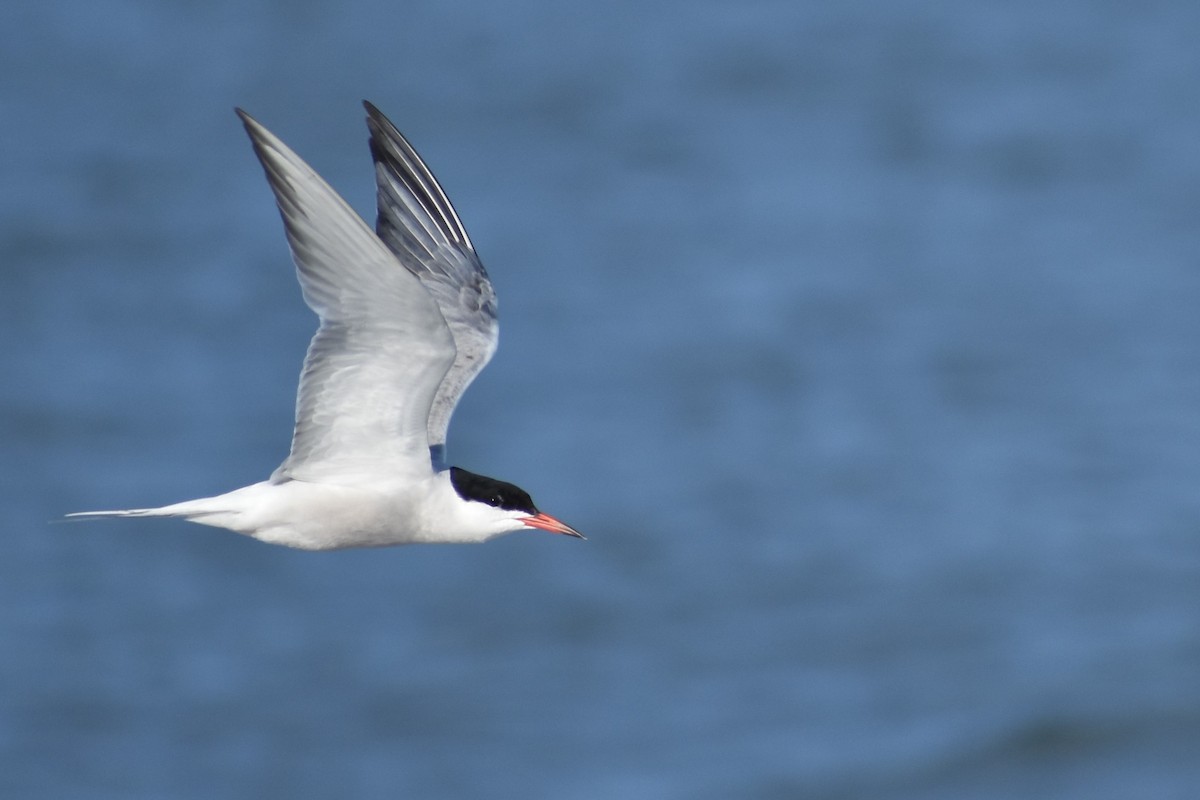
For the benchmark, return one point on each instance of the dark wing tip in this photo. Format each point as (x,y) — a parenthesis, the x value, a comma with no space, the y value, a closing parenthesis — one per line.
(379,124)
(258,134)
(247,120)
(392,150)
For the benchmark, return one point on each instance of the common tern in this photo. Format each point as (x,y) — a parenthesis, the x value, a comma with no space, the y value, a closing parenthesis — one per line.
(407,320)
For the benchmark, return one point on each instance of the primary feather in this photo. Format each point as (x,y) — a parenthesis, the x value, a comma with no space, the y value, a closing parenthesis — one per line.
(418,224)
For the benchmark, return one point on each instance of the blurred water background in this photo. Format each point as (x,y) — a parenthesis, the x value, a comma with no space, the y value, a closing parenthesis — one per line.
(862,338)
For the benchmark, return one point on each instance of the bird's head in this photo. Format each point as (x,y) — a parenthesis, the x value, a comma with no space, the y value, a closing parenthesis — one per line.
(504,507)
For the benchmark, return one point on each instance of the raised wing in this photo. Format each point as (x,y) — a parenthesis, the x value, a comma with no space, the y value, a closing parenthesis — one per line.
(382,348)
(418,224)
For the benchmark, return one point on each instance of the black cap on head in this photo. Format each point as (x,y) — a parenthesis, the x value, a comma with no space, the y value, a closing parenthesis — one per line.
(494,493)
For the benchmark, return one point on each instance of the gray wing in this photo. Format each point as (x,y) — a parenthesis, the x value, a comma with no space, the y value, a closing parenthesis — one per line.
(382,348)
(418,224)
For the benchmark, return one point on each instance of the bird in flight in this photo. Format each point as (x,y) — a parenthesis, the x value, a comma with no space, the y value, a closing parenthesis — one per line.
(407,320)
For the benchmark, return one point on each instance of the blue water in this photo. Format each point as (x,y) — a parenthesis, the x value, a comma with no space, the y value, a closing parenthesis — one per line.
(861,338)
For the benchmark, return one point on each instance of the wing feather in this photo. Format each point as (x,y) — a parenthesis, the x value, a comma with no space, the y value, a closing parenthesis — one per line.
(382,348)
(417,222)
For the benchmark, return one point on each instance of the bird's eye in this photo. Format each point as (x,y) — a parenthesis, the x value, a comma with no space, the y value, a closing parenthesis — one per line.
(495,500)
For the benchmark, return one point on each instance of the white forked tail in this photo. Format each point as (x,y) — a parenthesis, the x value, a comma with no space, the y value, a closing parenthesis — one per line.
(128,512)
(220,511)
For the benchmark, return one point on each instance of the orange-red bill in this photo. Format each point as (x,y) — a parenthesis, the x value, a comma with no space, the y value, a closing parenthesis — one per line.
(549,523)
